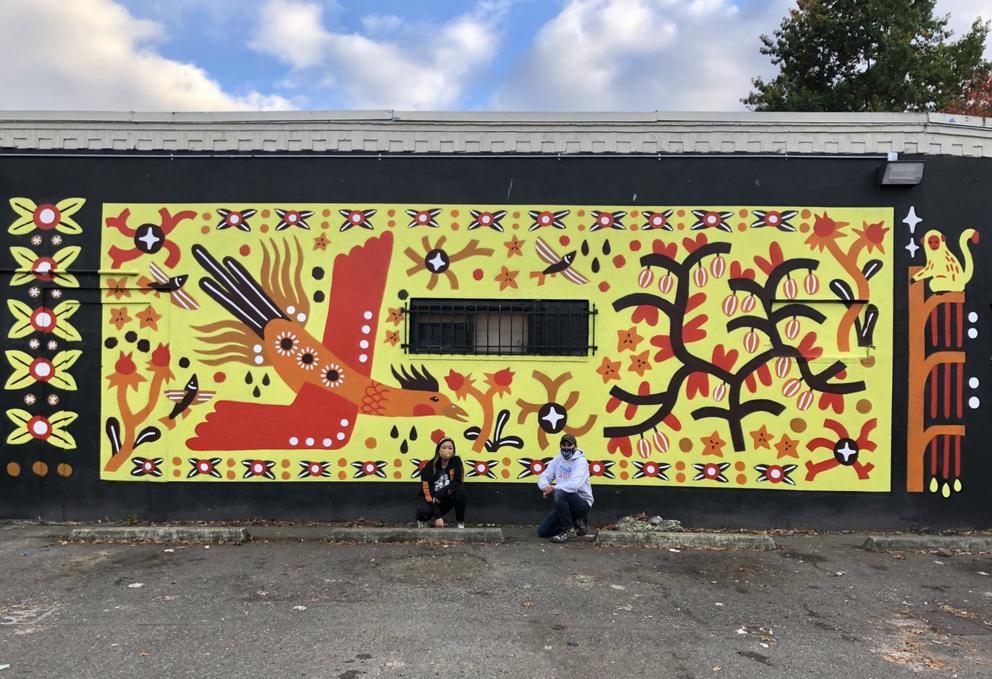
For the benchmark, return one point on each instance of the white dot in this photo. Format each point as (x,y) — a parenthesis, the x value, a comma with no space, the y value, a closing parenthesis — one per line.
(973,402)
(366,330)
(47,215)
(327,443)
(259,360)
(972,333)
(367,315)
(291,310)
(972,317)
(309,440)
(301,317)
(362,358)
(973,382)
(39,427)
(43,320)
(339,436)
(43,370)
(344,423)
(364,344)
(293,440)
(257,348)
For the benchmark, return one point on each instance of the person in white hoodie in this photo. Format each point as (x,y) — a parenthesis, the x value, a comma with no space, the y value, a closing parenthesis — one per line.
(566,478)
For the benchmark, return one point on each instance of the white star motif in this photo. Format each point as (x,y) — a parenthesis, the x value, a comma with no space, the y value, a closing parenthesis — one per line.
(436,262)
(847,451)
(149,239)
(911,220)
(912,247)
(553,417)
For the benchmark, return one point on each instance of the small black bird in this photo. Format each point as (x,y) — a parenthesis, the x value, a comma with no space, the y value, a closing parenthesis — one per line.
(557,264)
(188,396)
(172,285)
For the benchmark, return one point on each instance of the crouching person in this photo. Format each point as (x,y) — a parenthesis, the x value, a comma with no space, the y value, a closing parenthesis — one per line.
(441,487)
(566,478)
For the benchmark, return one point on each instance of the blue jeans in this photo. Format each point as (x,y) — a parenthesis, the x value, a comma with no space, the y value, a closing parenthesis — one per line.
(568,508)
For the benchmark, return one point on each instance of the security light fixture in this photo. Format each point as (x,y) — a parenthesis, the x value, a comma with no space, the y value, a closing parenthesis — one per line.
(901,173)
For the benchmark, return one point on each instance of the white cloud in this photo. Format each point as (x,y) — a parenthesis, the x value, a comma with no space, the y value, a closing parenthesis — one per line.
(409,66)
(963,13)
(94,55)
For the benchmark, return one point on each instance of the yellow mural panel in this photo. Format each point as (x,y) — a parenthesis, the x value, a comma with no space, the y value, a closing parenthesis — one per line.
(730,346)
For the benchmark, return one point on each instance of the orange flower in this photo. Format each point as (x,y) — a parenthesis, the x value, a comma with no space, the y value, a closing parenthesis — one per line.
(500,381)
(149,318)
(506,279)
(825,231)
(321,242)
(873,236)
(787,447)
(395,316)
(459,383)
(639,363)
(125,373)
(610,370)
(392,337)
(514,246)
(117,288)
(713,444)
(161,358)
(762,438)
(628,339)
(119,317)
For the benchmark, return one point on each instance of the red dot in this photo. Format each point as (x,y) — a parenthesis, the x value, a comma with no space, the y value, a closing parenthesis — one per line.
(206,215)
(604,286)
(635,245)
(477,274)
(244,250)
(619,261)
(564,240)
(219,377)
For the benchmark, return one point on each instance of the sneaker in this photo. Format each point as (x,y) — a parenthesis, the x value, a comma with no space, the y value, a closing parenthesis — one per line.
(562,537)
(581,526)
(461,525)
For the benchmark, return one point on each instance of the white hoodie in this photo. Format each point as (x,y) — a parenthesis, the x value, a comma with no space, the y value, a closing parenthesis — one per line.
(571,476)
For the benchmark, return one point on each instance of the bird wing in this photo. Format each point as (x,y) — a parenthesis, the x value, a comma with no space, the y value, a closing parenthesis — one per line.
(574,276)
(175,394)
(355,298)
(184,300)
(545,252)
(157,273)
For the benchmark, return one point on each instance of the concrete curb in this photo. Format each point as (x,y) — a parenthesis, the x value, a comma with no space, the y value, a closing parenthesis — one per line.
(487,535)
(688,540)
(161,534)
(895,543)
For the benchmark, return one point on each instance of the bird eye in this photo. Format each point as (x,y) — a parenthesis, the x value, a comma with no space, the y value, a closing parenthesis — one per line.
(435,399)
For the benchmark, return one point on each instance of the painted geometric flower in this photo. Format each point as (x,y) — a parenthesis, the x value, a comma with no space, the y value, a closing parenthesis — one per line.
(547,218)
(845,450)
(201,465)
(31,268)
(710,219)
(44,320)
(38,427)
(607,220)
(369,468)
(261,468)
(418,466)
(657,220)
(424,217)
(288,218)
(359,218)
(29,370)
(776,473)
(482,468)
(490,219)
(601,468)
(237,219)
(532,467)
(332,376)
(46,216)
(651,469)
(307,358)
(775,219)
(286,343)
(145,466)
(314,469)
(711,471)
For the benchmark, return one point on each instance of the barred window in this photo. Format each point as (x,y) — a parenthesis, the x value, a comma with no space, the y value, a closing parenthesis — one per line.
(499,327)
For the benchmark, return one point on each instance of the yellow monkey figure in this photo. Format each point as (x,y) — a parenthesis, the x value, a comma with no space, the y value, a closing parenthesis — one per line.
(944,269)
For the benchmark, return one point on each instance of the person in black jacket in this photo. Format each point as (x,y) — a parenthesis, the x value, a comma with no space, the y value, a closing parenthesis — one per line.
(441,487)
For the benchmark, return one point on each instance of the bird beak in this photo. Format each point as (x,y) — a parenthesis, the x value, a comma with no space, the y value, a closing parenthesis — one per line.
(455,413)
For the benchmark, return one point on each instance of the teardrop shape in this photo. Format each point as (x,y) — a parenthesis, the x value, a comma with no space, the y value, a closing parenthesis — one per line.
(934,484)
(248,378)
(645,278)
(606,247)
(394,432)
(413,433)
(660,441)
(265,380)
(404,447)
(256,392)
(957,485)
(946,490)
(644,448)
(595,264)
(585,247)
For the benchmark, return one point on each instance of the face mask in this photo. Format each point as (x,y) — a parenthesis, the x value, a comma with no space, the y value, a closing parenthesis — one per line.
(567,453)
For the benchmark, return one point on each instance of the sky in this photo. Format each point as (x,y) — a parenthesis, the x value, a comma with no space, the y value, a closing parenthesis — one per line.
(433,55)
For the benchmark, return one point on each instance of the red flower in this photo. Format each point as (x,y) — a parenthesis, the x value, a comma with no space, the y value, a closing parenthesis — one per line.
(502,378)
(698,383)
(161,356)
(621,445)
(125,365)
(662,248)
(693,245)
(646,313)
(775,258)
(454,380)
(724,359)
(736,271)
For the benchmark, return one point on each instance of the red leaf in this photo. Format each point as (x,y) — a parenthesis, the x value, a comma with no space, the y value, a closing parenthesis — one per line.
(693,331)
(692,245)
(834,401)
(723,359)
(672,422)
(775,258)
(694,301)
(737,272)
(664,343)
(646,313)
(619,444)
(698,383)
(808,349)
(660,247)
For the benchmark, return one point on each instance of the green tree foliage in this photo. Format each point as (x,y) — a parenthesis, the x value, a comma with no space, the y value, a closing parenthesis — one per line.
(867,55)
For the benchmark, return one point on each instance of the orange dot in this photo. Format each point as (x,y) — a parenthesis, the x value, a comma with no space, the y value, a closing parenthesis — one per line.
(805,214)
(204,229)
(685,444)
(285,476)
(804,227)
(391,212)
(231,475)
(624,475)
(863,406)
(397,475)
(742,227)
(264,228)
(516,226)
(397,462)
(798,425)
(177,473)
(13,469)
(64,470)
(516,214)
(325,225)
(634,213)
(177,460)
(680,465)
(680,213)
(741,479)
(506,461)
(230,462)
(634,227)
(325,212)
(623,464)
(265,214)
(285,464)
(680,478)
(454,226)
(739,466)
(370,443)
(219,377)
(580,213)
(505,474)
(40,468)
(342,475)
(391,223)
(454,213)
(342,462)
(582,227)
(205,215)
(680,226)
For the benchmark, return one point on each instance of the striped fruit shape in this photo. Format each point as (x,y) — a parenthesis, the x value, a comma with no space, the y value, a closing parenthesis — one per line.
(660,441)
(751,341)
(747,306)
(718,265)
(783,364)
(644,448)
(811,284)
(645,278)
(791,387)
(790,288)
(805,400)
(720,391)
(792,328)
(665,283)
(730,304)
(700,277)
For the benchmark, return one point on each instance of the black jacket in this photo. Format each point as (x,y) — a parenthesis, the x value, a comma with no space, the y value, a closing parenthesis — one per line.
(429,480)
